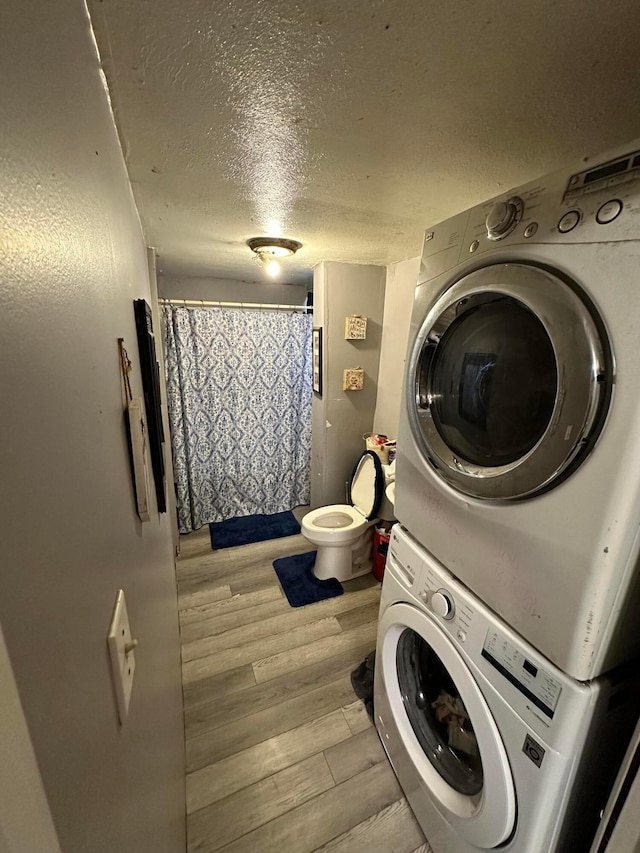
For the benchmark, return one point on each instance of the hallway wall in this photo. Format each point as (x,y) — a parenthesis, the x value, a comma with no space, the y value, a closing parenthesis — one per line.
(72,260)
(340,418)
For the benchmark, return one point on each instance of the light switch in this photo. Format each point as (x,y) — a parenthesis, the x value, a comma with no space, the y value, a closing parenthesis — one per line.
(121,651)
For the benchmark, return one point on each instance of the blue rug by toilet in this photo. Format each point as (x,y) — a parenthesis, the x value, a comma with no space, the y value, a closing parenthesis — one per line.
(299,583)
(252,528)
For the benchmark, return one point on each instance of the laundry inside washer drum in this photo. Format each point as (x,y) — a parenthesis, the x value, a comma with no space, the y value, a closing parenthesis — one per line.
(437,714)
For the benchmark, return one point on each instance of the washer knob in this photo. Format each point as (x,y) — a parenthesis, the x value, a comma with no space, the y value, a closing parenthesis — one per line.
(442,604)
(503,217)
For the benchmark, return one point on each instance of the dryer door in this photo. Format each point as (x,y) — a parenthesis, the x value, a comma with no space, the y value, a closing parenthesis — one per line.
(446,727)
(509,382)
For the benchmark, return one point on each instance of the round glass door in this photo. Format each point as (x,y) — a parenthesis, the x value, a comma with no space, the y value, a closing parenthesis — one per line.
(510,379)
(445,726)
(437,715)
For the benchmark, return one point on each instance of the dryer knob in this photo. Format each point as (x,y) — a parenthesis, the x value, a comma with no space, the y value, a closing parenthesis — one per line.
(442,604)
(503,218)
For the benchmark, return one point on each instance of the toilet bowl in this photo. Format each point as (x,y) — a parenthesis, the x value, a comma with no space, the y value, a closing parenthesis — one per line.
(343,533)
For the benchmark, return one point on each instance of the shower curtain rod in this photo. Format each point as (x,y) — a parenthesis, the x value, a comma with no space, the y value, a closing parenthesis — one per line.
(205,303)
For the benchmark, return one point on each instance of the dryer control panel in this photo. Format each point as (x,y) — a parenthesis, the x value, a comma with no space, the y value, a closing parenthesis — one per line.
(596,205)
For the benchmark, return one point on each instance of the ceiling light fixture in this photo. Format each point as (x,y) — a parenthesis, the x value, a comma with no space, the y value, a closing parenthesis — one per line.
(272,268)
(269,249)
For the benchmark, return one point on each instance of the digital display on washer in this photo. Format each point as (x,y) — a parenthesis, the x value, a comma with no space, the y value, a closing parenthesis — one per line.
(533,682)
(625,168)
(606,171)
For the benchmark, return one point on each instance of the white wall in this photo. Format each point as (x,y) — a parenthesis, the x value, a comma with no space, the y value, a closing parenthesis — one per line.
(25,819)
(228,290)
(339,418)
(398,303)
(72,260)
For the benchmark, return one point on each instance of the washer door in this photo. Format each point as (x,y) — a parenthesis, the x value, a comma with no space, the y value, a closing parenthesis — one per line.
(509,382)
(446,727)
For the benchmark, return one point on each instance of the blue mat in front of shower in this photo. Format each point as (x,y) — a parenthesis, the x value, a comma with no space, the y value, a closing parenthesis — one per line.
(252,528)
(299,583)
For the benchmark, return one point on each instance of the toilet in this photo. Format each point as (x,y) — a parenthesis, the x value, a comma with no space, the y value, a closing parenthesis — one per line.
(343,533)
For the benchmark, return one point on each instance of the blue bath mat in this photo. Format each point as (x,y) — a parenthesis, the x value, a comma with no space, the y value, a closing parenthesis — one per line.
(252,528)
(299,583)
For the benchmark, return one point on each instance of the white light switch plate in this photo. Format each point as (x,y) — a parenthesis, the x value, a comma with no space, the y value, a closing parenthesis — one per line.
(123,662)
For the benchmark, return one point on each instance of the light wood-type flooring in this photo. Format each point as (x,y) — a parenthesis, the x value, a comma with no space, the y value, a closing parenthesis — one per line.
(281,756)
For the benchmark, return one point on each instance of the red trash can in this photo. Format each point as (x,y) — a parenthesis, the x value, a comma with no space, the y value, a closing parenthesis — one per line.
(380,548)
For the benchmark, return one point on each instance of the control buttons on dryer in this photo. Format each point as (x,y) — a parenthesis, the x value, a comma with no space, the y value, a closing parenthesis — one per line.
(503,217)
(442,604)
(569,221)
(531,229)
(609,211)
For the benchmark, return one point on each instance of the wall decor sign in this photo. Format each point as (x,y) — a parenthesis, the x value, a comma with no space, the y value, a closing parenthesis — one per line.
(136,437)
(151,386)
(138,450)
(355,328)
(353,379)
(317,361)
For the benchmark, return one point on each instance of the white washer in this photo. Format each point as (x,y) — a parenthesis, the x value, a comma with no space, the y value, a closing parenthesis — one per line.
(492,744)
(519,443)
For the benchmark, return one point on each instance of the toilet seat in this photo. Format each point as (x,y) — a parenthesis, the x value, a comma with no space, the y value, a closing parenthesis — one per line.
(346,521)
(343,533)
(338,520)
(366,487)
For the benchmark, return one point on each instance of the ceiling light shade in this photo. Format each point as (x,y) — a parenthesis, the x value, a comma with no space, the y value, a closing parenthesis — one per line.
(274,247)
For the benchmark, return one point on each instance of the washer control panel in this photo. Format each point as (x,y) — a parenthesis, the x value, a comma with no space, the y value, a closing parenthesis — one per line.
(531,679)
(442,604)
(456,614)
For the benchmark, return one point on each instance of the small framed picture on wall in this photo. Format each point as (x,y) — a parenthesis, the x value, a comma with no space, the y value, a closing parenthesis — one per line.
(317,361)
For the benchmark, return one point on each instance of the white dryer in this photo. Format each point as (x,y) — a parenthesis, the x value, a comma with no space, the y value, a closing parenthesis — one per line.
(518,461)
(493,745)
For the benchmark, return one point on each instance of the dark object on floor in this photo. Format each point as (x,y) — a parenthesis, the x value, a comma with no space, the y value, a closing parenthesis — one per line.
(252,528)
(362,682)
(299,583)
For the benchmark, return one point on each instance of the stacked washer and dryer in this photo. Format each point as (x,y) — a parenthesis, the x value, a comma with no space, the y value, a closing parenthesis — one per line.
(505,690)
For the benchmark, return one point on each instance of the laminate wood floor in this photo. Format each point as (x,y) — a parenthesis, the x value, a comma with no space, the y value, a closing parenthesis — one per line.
(281,756)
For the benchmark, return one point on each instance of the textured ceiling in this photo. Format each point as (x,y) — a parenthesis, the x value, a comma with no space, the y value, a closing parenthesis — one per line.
(355,125)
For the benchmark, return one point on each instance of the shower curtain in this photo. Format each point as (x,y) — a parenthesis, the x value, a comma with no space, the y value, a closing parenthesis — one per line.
(239,398)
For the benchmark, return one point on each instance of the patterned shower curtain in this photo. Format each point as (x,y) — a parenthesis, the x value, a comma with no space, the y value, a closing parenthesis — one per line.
(239,397)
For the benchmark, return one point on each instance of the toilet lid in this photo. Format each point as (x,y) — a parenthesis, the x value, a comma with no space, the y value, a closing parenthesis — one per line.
(367,485)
